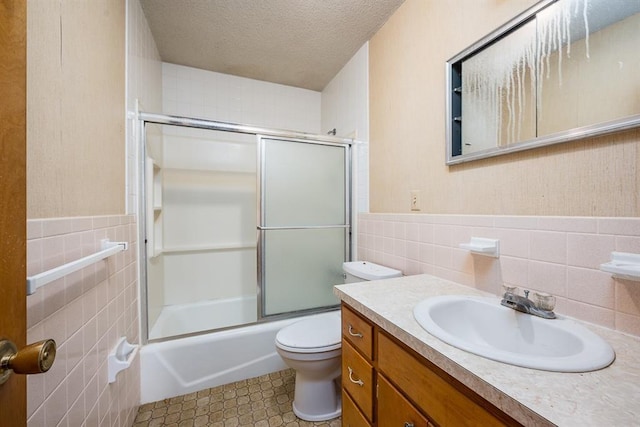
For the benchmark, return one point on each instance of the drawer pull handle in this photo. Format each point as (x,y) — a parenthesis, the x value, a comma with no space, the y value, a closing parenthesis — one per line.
(359,382)
(354,334)
(408,424)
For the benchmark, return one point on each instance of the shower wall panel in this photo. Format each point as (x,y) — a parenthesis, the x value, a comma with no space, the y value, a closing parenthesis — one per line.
(206,224)
(155,270)
(209,208)
(155,288)
(191,277)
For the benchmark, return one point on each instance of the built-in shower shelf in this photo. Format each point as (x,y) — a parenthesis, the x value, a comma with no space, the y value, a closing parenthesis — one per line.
(154,182)
(210,171)
(209,248)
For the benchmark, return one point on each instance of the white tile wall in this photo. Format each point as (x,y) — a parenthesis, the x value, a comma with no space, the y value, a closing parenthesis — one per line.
(345,107)
(345,99)
(559,255)
(344,104)
(85,312)
(144,83)
(198,93)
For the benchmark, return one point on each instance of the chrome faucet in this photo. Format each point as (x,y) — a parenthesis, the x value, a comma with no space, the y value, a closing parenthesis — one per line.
(525,305)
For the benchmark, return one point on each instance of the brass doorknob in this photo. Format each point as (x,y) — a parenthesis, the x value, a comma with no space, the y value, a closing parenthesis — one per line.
(33,359)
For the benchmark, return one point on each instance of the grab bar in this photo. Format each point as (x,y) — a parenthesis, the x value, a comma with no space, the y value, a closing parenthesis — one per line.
(108,248)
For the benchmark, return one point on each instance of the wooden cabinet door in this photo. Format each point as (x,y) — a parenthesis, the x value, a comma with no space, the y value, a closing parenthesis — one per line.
(351,416)
(358,332)
(394,409)
(434,395)
(357,379)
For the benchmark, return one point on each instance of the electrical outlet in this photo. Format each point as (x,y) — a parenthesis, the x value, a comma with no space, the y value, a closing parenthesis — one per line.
(415,200)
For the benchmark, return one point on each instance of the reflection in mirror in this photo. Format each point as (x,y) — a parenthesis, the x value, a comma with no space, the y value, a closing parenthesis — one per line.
(498,92)
(563,70)
(589,67)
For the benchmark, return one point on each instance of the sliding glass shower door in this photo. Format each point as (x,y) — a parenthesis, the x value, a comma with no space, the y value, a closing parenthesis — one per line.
(303,224)
(207,186)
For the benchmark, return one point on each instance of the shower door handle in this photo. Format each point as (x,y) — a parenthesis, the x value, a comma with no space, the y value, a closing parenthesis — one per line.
(302,227)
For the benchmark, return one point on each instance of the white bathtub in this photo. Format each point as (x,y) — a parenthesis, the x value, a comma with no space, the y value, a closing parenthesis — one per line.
(184,365)
(181,319)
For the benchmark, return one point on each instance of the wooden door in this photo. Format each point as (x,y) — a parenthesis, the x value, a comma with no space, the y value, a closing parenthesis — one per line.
(13,59)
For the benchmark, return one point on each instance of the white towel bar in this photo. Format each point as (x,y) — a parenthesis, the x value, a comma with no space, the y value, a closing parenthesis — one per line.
(41,279)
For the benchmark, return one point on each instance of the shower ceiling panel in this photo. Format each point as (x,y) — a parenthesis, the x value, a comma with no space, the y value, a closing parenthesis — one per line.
(292,42)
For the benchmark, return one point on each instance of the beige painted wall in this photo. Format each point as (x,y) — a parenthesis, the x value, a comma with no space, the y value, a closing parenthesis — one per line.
(592,177)
(614,56)
(76,104)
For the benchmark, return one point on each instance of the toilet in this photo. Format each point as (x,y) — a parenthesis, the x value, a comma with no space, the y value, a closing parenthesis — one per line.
(312,348)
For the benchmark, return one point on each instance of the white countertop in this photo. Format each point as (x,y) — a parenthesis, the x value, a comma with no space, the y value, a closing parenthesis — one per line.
(607,397)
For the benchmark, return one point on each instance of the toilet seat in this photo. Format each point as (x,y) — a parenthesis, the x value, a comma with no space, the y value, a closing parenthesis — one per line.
(315,335)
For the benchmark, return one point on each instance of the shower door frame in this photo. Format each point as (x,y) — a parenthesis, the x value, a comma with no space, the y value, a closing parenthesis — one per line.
(261,228)
(144,118)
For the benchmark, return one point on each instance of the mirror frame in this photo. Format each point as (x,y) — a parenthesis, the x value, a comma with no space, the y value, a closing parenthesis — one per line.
(573,134)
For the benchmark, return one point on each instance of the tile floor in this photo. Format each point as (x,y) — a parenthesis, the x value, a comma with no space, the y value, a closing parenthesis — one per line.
(261,402)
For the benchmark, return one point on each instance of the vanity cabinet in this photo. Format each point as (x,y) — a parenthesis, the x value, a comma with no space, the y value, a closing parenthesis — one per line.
(387,384)
(357,363)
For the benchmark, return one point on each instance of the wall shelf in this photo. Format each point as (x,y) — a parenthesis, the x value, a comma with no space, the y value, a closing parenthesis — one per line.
(154,182)
(482,246)
(623,266)
(211,171)
(209,248)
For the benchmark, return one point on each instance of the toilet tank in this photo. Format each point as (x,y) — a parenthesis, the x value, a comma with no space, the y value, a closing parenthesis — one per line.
(360,271)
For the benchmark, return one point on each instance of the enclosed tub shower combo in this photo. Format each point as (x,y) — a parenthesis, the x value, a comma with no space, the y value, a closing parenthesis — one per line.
(245,230)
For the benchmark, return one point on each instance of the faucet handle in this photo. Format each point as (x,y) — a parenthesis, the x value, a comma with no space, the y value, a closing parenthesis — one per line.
(509,289)
(526,293)
(545,301)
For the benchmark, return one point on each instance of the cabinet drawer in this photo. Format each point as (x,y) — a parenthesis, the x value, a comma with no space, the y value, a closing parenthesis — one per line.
(434,395)
(394,409)
(358,331)
(351,416)
(357,379)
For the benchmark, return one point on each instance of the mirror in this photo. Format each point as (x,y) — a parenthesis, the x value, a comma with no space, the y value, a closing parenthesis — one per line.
(562,70)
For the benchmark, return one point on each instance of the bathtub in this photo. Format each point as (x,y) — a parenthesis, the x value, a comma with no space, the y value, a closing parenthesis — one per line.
(185,365)
(181,319)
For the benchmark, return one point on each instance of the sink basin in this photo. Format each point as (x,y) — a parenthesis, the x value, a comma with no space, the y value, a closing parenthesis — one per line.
(484,327)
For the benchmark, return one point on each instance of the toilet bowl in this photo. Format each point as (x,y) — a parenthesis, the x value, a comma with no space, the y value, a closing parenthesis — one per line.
(312,348)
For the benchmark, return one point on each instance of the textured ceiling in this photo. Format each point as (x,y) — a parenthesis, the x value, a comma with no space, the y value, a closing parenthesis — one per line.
(302,43)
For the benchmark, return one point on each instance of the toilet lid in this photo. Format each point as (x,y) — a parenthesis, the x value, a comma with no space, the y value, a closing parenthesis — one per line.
(319,333)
